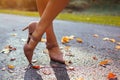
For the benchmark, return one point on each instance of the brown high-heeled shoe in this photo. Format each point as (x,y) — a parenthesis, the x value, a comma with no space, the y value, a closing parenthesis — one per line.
(55,58)
(31,27)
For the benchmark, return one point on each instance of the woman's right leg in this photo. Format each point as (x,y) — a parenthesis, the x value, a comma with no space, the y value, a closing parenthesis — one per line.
(52,45)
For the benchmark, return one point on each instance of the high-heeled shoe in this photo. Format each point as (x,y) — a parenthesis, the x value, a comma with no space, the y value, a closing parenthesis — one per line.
(58,57)
(31,27)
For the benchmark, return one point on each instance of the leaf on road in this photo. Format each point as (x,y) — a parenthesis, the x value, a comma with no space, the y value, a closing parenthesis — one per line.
(95,58)
(111,76)
(3,69)
(36,67)
(13,34)
(112,40)
(79,40)
(65,39)
(12,59)
(34,61)
(11,66)
(80,79)
(104,62)
(117,47)
(8,49)
(118,43)
(106,39)
(96,35)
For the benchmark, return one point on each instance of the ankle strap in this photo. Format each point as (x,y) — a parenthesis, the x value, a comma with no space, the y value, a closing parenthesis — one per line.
(51,45)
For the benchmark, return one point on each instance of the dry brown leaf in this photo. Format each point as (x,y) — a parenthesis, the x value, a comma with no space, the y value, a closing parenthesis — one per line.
(79,40)
(12,59)
(11,66)
(96,35)
(95,58)
(111,76)
(112,40)
(117,47)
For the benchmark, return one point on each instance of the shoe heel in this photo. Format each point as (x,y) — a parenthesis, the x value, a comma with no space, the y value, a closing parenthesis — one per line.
(25,28)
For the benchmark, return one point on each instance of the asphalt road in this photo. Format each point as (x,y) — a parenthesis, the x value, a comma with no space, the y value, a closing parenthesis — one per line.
(84,54)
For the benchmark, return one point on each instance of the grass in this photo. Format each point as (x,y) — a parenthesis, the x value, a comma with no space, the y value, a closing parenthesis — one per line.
(89,18)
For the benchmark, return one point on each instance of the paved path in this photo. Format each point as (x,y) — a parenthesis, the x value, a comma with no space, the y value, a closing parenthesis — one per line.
(84,54)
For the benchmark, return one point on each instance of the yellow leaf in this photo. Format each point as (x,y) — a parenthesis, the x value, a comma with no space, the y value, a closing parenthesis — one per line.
(79,40)
(117,47)
(65,39)
(11,66)
(112,40)
(80,79)
(105,62)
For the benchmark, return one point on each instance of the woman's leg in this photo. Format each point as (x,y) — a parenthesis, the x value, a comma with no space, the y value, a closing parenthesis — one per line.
(51,11)
(51,44)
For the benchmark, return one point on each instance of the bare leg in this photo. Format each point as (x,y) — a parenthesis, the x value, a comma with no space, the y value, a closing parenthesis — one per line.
(51,11)
(52,45)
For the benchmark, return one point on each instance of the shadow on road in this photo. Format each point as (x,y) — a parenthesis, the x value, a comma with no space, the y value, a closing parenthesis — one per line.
(60,71)
(31,74)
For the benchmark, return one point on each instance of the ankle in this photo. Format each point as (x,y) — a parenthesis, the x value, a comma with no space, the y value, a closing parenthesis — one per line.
(51,45)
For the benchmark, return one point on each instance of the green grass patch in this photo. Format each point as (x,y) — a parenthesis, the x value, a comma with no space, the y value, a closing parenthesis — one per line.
(89,18)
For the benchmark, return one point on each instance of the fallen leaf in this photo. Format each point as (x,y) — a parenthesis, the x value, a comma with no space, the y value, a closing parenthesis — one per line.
(11,66)
(34,61)
(111,76)
(80,79)
(118,43)
(106,39)
(10,71)
(12,59)
(36,67)
(79,40)
(104,62)
(13,34)
(117,47)
(43,40)
(65,39)
(95,58)
(96,35)
(3,69)
(112,40)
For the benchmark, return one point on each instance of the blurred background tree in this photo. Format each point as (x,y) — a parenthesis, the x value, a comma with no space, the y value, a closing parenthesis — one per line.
(74,5)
